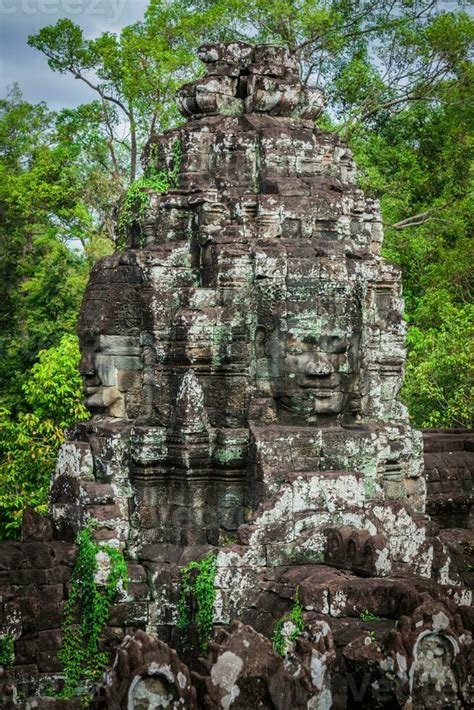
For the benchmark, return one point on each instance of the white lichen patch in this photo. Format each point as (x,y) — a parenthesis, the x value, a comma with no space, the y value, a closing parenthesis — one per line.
(383,564)
(75,460)
(224,674)
(338,603)
(103,568)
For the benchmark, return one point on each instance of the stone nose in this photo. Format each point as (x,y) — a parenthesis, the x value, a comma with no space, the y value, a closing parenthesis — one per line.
(318,366)
(86,364)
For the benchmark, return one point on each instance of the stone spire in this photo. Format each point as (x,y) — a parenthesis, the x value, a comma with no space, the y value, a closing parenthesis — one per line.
(245,78)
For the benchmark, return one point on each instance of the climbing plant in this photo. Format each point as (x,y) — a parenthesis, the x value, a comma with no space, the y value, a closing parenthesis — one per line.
(7,653)
(293,618)
(197,581)
(137,198)
(83,661)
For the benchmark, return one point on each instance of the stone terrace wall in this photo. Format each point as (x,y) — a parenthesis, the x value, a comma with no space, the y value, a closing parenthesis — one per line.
(35,574)
(449,467)
(34,585)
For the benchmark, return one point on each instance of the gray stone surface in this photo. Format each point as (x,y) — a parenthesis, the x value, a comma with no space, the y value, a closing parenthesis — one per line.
(242,360)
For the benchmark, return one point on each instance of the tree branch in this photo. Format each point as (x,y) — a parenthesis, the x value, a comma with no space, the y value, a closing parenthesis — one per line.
(417,219)
(394,102)
(104,97)
(110,142)
(77,75)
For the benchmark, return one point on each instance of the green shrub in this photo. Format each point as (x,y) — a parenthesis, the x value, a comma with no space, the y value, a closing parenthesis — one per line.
(7,650)
(439,381)
(29,441)
(295,620)
(137,198)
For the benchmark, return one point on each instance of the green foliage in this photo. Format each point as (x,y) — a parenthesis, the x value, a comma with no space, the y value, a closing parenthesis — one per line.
(82,658)
(137,198)
(293,622)
(369,57)
(135,74)
(439,385)
(29,440)
(197,580)
(49,239)
(416,161)
(368,616)
(101,167)
(7,650)
(43,307)
(54,388)
(43,219)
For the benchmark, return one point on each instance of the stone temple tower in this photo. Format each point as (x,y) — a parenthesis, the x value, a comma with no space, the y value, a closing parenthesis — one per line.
(242,360)
(251,327)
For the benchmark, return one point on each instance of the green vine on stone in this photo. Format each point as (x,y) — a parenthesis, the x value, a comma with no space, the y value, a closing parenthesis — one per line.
(137,199)
(83,661)
(293,618)
(7,650)
(197,580)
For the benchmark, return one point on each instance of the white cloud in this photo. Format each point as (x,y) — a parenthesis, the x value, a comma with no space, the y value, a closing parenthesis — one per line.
(25,65)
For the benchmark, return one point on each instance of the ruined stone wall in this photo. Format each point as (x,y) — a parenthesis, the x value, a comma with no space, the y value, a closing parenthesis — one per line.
(449,465)
(35,578)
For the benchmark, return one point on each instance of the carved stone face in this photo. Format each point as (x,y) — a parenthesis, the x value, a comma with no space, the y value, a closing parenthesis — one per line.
(314,353)
(110,366)
(316,378)
(109,339)
(95,376)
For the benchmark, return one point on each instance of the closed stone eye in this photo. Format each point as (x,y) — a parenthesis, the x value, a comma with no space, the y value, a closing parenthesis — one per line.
(333,344)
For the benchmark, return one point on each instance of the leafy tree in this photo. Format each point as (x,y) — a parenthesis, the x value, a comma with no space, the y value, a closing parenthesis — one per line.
(417,162)
(135,74)
(439,387)
(29,440)
(368,56)
(100,177)
(43,215)
(53,389)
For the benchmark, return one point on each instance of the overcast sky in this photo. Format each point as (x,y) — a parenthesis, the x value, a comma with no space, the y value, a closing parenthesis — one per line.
(28,67)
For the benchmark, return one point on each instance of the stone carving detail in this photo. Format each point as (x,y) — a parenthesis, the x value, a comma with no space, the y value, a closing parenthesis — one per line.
(240,670)
(257,331)
(147,674)
(242,360)
(243,78)
(427,658)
